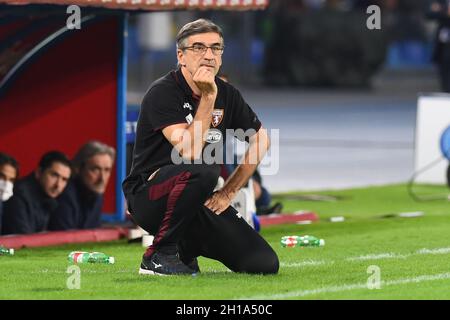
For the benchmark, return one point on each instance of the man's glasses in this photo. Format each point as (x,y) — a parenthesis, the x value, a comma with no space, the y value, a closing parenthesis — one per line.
(200,48)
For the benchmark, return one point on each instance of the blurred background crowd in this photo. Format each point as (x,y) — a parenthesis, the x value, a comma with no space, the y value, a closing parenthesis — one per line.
(296,42)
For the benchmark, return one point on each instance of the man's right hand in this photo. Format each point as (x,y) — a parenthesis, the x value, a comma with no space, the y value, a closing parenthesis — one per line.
(204,80)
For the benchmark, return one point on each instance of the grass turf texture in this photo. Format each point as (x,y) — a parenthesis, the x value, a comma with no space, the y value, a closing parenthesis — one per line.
(336,271)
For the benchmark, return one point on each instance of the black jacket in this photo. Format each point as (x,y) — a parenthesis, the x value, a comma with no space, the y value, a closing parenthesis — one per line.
(78,208)
(1,214)
(443,20)
(29,209)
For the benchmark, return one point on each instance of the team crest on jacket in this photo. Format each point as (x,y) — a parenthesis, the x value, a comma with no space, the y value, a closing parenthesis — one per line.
(217,117)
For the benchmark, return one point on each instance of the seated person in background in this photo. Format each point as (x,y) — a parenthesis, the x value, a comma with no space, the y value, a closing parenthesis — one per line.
(80,205)
(34,198)
(263,197)
(9,171)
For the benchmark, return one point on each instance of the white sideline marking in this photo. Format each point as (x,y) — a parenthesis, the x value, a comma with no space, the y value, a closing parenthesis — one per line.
(305,263)
(347,287)
(399,256)
(434,251)
(389,255)
(83,271)
(378,256)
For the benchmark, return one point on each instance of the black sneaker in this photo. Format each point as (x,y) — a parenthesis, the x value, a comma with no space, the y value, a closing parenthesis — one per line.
(193,265)
(190,262)
(164,264)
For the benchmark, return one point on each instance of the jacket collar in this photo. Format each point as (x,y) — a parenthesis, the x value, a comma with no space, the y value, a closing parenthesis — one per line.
(181,81)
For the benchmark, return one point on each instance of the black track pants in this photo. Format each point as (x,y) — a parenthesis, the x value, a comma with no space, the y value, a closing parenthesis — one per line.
(170,207)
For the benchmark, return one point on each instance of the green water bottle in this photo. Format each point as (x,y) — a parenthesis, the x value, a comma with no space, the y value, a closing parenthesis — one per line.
(99,257)
(302,241)
(89,257)
(6,252)
(78,257)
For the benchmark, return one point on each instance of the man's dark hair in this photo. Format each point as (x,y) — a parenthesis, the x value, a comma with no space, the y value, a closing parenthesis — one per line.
(196,27)
(53,156)
(7,159)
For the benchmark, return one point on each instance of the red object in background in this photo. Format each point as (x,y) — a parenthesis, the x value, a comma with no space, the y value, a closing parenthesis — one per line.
(62,237)
(154,5)
(281,218)
(65,98)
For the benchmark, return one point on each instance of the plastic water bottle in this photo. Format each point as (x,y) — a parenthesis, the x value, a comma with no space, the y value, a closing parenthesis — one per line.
(6,252)
(302,241)
(78,257)
(90,257)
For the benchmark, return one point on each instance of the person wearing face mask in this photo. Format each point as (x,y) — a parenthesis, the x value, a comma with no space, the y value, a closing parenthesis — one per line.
(80,205)
(28,210)
(9,171)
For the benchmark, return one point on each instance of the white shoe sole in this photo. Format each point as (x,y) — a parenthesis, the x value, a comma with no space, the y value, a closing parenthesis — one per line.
(150,272)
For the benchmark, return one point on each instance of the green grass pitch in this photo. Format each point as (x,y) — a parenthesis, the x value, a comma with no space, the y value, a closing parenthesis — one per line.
(410,257)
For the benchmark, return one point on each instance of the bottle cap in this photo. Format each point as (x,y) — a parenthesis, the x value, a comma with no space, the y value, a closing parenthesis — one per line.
(321,242)
(111,260)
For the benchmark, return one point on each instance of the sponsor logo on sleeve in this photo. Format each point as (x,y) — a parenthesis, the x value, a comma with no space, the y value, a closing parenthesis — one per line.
(187,106)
